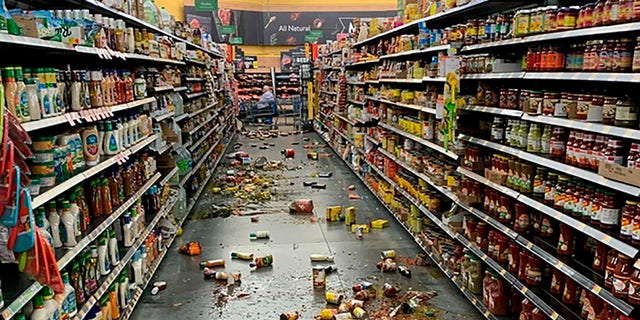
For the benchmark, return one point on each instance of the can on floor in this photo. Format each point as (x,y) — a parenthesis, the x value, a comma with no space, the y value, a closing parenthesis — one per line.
(359,313)
(327,314)
(390,254)
(343,307)
(291,315)
(387,265)
(363,295)
(350,216)
(333,298)
(355,303)
(319,277)
(288,153)
(342,316)
(362,286)
(390,290)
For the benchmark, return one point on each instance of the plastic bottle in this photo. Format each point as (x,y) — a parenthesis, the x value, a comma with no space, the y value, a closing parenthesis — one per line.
(123,289)
(110,143)
(135,220)
(76,91)
(143,259)
(54,93)
(54,220)
(92,272)
(121,135)
(150,13)
(126,230)
(10,88)
(103,261)
(101,132)
(39,312)
(132,131)
(22,101)
(76,278)
(32,99)
(54,310)
(106,307)
(136,265)
(113,301)
(166,19)
(75,212)
(70,296)
(126,139)
(114,256)
(68,226)
(44,95)
(43,227)
(321,257)
(4,18)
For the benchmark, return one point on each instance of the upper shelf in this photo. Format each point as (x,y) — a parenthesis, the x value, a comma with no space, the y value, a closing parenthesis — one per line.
(560,76)
(130,20)
(416,52)
(557,36)
(478,8)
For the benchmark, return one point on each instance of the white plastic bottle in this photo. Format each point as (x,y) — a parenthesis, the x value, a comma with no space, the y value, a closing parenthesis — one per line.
(114,256)
(135,222)
(70,296)
(68,227)
(126,138)
(123,289)
(143,259)
(39,312)
(136,265)
(60,300)
(44,231)
(103,261)
(53,308)
(75,212)
(54,220)
(110,143)
(126,230)
(121,135)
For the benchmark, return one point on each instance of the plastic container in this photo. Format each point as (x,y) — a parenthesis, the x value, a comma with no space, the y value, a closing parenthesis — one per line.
(43,156)
(43,168)
(46,180)
(42,143)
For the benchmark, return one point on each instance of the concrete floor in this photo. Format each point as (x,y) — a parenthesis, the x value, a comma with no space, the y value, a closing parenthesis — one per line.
(264,294)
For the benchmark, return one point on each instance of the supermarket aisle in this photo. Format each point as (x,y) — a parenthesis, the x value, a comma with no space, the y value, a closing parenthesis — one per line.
(287,286)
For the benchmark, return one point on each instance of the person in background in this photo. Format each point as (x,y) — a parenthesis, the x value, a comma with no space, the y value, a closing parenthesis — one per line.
(266,99)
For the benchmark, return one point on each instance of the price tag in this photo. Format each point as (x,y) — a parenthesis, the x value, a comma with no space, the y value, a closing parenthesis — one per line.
(529,245)
(69,119)
(606,239)
(487,313)
(484,256)
(596,289)
(559,264)
(85,115)
(554,315)
(76,117)
(503,272)
(581,226)
(524,290)
(637,264)
(485,218)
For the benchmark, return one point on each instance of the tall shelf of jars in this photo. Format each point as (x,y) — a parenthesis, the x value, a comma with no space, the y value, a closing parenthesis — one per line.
(107,144)
(532,210)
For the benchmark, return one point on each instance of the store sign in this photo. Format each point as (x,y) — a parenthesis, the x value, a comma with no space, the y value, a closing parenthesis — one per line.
(251,62)
(227,29)
(206,5)
(236,40)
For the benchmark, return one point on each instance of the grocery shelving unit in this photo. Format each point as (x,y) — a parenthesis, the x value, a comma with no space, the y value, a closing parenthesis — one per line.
(211,104)
(339,129)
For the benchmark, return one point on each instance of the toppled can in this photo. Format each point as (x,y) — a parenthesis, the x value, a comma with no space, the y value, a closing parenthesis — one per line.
(261,262)
(330,269)
(291,315)
(391,254)
(158,286)
(242,255)
(222,276)
(408,306)
(359,313)
(362,286)
(405,271)
(321,258)
(319,277)
(333,298)
(327,314)
(212,263)
(301,206)
(288,153)
(363,295)
(259,235)
(355,303)
(390,290)
(191,248)
(342,316)
(312,155)
(387,265)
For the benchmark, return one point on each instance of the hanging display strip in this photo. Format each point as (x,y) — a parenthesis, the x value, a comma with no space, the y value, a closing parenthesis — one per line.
(15,306)
(104,287)
(409,106)
(434,49)
(498,111)
(558,76)
(84,116)
(558,35)
(108,54)
(568,169)
(421,141)
(546,309)
(68,184)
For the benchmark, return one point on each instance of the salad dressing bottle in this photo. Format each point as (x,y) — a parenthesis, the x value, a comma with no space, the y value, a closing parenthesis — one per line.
(22,101)
(10,88)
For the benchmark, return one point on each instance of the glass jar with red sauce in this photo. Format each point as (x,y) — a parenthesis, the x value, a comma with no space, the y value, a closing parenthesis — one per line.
(621,277)
(514,257)
(596,206)
(565,240)
(557,282)
(557,144)
(522,265)
(600,257)
(582,107)
(561,193)
(634,288)
(612,261)
(481,236)
(571,292)
(585,203)
(534,271)
(626,220)
(610,211)
(522,219)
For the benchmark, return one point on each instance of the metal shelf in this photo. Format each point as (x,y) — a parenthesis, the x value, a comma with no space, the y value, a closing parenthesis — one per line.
(168,177)
(345,119)
(585,126)
(409,106)
(15,306)
(206,135)
(416,52)
(180,89)
(329,92)
(421,141)
(86,116)
(198,127)
(394,80)
(498,111)
(557,36)
(195,94)
(191,79)
(82,312)
(584,228)
(200,162)
(362,103)
(560,76)
(197,112)
(356,83)
(90,172)
(362,63)
(559,166)
(494,76)
(163,116)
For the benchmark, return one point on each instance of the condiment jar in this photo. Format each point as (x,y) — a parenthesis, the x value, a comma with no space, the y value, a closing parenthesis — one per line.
(626,113)
(609,110)
(621,277)
(571,291)
(557,282)
(533,271)
(594,114)
(536,102)
(549,102)
(634,288)
(582,106)
(626,221)
(612,262)
(565,240)
(622,55)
